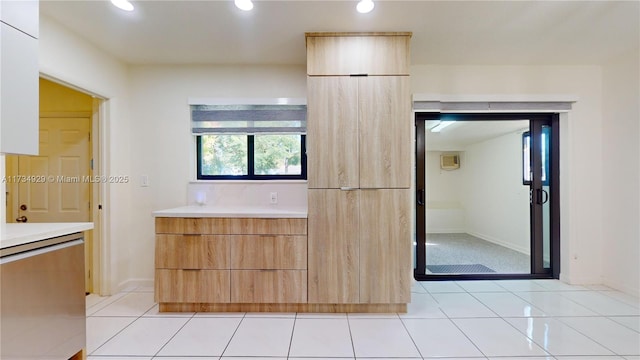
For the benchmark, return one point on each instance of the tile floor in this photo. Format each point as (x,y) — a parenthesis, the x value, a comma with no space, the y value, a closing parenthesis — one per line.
(506,320)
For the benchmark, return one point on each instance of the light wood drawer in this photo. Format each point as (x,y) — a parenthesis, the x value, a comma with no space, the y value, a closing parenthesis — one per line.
(262,226)
(192,251)
(269,286)
(192,286)
(196,226)
(236,226)
(256,252)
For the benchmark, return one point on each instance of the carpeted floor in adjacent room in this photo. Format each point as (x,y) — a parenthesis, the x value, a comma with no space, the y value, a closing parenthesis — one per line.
(465,249)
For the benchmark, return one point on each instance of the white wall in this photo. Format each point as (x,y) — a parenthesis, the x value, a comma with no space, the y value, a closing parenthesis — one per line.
(621,173)
(69,58)
(290,195)
(495,201)
(581,148)
(444,208)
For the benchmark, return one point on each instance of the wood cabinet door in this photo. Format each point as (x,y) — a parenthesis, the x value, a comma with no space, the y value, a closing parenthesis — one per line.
(348,54)
(385,132)
(332,132)
(385,246)
(333,246)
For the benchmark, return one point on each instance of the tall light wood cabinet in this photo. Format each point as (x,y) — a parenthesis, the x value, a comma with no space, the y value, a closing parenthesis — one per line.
(359,149)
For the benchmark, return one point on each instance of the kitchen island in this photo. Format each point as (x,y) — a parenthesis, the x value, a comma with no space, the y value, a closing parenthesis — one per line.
(42,295)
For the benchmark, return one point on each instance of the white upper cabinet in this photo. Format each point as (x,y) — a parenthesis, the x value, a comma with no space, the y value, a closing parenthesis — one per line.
(22,15)
(19,72)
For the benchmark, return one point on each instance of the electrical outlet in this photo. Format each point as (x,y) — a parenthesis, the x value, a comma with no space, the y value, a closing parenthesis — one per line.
(274,197)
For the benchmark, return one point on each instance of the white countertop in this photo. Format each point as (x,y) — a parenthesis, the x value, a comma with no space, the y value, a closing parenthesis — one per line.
(226,211)
(20,234)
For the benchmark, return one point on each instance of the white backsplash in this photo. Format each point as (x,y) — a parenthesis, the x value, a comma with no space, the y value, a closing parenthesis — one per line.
(291,195)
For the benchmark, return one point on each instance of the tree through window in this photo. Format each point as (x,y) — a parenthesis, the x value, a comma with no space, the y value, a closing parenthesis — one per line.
(242,157)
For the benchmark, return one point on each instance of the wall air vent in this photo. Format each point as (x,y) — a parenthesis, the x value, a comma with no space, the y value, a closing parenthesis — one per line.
(449,161)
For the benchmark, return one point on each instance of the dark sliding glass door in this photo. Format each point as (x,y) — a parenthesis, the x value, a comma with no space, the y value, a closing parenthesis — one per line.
(487,204)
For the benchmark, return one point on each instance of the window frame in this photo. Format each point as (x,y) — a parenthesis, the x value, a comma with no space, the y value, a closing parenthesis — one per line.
(546,167)
(251,162)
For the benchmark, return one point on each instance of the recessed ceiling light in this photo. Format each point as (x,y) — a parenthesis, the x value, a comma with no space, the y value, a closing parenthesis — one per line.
(123,4)
(245,5)
(365,6)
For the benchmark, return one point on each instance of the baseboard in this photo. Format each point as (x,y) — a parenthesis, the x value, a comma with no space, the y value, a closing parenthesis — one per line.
(445,231)
(581,280)
(283,307)
(493,240)
(132,284)
(633,291)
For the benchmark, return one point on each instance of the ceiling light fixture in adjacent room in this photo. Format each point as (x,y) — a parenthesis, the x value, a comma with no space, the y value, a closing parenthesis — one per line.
(441,125)
(365,6)
(123,4)
(245,5)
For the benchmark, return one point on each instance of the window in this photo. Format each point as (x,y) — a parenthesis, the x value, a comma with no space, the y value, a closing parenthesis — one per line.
(251,157)
(250,142)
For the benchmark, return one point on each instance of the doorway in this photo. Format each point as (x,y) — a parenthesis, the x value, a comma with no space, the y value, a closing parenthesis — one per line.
(487,201)
(61,190)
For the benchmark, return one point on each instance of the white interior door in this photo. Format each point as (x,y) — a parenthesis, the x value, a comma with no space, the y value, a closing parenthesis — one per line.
(59,186)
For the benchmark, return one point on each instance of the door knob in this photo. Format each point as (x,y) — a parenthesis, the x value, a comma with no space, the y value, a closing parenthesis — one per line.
(542,196)
(21,219)
(23,207)
(545,196)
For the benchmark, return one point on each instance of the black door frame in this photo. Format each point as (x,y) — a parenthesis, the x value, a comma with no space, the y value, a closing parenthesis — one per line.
(537,268)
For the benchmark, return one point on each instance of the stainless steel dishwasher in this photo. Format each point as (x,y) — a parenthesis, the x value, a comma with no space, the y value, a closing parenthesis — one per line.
(42,299)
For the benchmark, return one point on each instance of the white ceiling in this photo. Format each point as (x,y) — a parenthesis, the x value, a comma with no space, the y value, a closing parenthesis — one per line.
(459,135)
(445,32)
